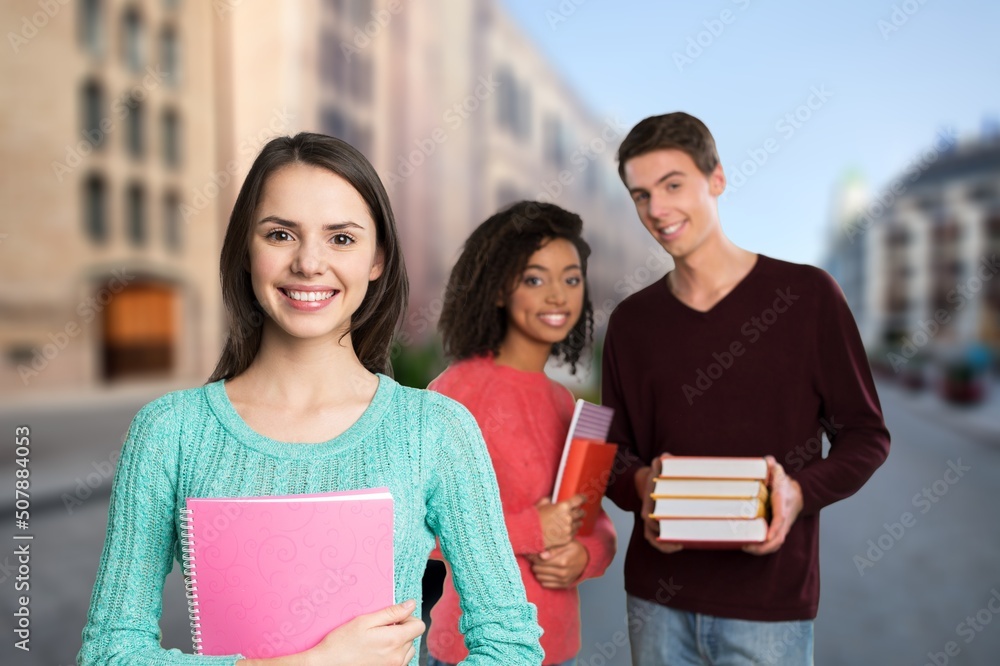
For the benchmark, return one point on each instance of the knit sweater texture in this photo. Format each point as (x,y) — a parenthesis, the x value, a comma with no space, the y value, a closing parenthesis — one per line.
(424,447)
(524,417)
(770,369)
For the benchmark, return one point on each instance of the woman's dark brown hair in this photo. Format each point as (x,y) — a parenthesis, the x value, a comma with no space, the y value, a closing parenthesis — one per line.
(375,321)
(491,264)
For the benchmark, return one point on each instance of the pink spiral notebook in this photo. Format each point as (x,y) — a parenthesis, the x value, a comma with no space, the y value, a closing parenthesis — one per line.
(271,576)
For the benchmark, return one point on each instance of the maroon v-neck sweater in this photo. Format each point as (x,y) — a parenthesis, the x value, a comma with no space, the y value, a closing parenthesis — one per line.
(765,371)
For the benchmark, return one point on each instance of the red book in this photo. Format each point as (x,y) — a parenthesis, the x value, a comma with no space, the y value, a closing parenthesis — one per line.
(588,467)
(592,460)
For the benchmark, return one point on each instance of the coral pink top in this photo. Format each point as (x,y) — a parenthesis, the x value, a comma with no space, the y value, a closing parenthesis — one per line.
(524,417)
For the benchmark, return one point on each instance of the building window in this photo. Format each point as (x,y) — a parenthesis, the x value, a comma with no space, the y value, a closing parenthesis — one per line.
(993,226)
(332,64)
(171,139)
(132,39)
(523,128)
(134,139)
(506,195)
(591,177)
(513,107)
(172,221)
(335,124)
(898,237)
(92,26)
(95,208)
(506,109)
(363,141)
(554,142)
(135,211)
(170,56)
(93,113)
(362,12)
(361,79)
(351,73)
(984,193)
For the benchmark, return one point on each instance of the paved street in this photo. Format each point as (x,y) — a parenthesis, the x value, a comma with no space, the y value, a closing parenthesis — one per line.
(925,578)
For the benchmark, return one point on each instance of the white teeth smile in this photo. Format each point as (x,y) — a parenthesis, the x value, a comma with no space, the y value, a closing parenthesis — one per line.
(309,295)
(553,319)
(671,229)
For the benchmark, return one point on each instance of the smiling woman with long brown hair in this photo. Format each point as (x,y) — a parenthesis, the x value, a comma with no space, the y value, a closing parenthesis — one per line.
(301,404)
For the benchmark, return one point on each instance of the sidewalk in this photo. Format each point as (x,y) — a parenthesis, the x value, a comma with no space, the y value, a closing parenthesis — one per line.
(980,422)
(61,401)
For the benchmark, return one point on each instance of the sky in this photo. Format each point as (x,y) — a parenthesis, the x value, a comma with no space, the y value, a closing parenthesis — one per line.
(882,78)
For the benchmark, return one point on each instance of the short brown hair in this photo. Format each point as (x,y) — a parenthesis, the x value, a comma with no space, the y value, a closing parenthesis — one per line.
(375,321)
(671,131)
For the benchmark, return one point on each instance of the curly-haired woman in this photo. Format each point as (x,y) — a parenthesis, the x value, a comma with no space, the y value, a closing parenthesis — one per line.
(516,297)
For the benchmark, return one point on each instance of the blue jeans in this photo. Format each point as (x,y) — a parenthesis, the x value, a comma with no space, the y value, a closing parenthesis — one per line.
(431,661)
(661,636)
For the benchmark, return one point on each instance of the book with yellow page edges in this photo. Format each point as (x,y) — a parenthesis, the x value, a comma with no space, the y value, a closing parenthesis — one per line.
(712,503)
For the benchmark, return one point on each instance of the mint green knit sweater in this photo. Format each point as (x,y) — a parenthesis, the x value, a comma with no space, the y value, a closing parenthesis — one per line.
(425,447)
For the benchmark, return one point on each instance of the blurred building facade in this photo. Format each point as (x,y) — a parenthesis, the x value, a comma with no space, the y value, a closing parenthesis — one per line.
(108,124)
(918,262)
(133,123)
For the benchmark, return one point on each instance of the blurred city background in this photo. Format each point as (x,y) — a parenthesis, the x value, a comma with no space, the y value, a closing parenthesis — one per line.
(863,137)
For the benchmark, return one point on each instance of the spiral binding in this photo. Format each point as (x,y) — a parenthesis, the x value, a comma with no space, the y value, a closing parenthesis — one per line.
(190,578)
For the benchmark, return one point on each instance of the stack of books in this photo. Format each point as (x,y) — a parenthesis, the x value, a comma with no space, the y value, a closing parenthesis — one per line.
(704,502)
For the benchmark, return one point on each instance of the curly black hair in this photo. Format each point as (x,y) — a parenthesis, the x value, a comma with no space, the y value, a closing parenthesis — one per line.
(492,261)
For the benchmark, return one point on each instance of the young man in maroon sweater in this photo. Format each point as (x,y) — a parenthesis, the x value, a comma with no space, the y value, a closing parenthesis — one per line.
(732,354)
